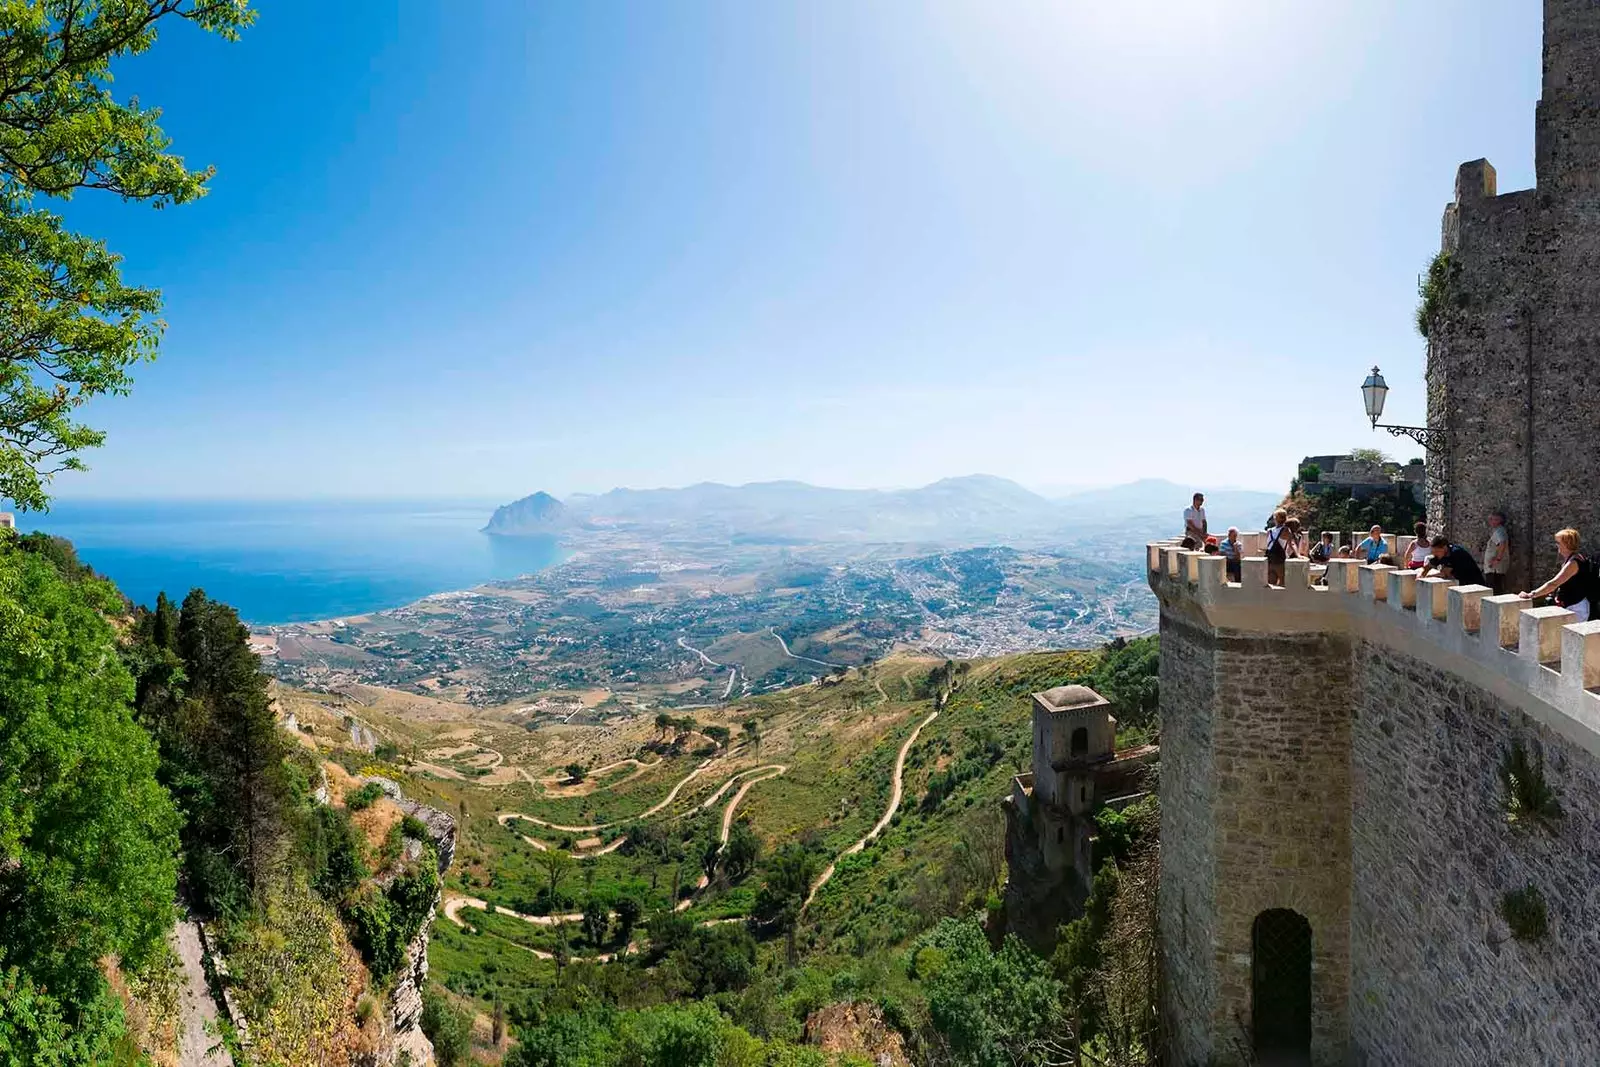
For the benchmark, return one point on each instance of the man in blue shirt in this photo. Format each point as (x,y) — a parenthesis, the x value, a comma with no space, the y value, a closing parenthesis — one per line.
(1373,547)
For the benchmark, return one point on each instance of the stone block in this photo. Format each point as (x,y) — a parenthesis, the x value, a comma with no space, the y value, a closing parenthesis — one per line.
(1296,573)
(1190,569)
(1255,571)
(1464,606)
(1374,586)
(1580,654)
(1402,589)
(1213,572)
(1539,636)
(1431,596)
(1499,620)
(1344,575)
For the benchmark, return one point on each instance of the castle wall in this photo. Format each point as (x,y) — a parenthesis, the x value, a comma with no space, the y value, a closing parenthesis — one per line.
(1187,898)
(1336,750)
(1507,370)
(1276,807)
(1434,976)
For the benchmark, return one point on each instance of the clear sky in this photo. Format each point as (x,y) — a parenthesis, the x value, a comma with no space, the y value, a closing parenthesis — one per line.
(482,248)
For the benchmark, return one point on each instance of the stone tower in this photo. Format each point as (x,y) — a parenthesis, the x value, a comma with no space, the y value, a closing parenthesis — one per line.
(1510,366)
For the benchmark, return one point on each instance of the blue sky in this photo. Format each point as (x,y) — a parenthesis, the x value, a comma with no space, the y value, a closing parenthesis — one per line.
(481,248)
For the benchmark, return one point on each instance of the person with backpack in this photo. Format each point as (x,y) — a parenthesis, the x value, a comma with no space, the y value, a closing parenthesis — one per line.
(1373,546)
(1452,561)
(1574,582)
(1279,538)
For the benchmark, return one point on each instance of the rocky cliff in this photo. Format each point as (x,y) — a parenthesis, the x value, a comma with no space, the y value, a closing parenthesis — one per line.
(540,513)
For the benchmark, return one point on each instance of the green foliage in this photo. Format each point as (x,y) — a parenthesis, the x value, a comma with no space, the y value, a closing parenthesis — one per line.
(1129,675)
(1529,797)
(575,772)
(1375,457)
(289,973)
(87,835)
(383,921)
(1438,293)
(1310,472)
(38,1030)
(332,853)
(994,1008)
(447,1026)
(698,1035)
(364,797)
(413,827)
(1525,913)
(596,920)
(1335,509)
(72,327)
(202,695)
(743,850)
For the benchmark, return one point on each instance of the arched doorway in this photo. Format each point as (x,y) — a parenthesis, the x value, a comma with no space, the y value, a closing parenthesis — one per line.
(1280,984)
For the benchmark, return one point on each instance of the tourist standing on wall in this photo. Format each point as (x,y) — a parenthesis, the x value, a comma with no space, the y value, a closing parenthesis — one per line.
(1277,546)
(1194,521)
(1452,561)
(1233,551)
(1373,547)
(1496,553)
(1571,583)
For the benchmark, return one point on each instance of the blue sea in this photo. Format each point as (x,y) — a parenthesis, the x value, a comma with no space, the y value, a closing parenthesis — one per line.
(293,562)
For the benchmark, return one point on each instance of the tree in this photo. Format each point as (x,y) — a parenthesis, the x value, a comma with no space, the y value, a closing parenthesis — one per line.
(743,849)
(89,837)
(752,733)
(720,735)
(447,1026)
(497,1031)
(72,329)
(665,723)
(783,892)
(994,1008)
(1374,456)
(575,772)
(596,920)
(557,866)
(629,910)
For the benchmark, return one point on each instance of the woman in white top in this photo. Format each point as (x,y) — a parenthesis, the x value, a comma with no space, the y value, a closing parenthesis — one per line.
(1421,548)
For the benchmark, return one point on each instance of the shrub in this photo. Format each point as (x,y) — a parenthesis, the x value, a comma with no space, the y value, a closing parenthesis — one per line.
(414,828)
(363,798)
(382,923)
(1524,912)
(1529,797)
(447,1026)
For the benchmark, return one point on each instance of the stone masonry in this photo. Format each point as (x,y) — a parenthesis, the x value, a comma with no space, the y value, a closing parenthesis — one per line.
(1334,752)
(1509,366)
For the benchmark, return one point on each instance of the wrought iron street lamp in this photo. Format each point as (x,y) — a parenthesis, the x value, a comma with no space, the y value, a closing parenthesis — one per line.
(1373,392)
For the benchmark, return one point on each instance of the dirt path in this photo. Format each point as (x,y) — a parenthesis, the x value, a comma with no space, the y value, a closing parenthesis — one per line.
(888,813)
(808,659)
(727,817)
(198,1043)
(508,816)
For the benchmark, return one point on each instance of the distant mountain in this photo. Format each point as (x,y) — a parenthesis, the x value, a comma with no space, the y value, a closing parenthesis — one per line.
(540,513)
(1155,500)
(973,509)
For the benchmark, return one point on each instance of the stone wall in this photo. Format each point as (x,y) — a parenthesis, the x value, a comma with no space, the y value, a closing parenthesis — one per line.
(1187,898)
(1276,764)
(1504,370)
(1435,977)
(1336,750)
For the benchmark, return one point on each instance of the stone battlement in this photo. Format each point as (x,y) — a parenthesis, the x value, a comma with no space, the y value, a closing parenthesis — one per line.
(1540,658)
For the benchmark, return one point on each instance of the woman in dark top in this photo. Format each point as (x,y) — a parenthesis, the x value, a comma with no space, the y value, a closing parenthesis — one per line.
(1568,588)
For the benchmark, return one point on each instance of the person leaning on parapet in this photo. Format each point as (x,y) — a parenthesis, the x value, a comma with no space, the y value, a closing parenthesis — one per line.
(1452,561)
(1194,521)
(1323,550)
(1233,551)
(1373,547)
(1496,553)
(1421,548)
(1573,583)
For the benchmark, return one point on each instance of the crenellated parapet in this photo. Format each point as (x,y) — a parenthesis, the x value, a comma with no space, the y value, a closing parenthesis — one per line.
(1540,658)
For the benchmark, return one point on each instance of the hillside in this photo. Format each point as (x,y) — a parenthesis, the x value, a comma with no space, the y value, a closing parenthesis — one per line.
(696,859)
(533,515)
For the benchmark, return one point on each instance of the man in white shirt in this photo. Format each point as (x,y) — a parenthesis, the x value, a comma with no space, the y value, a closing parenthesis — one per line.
(1496,554)
(1194,521)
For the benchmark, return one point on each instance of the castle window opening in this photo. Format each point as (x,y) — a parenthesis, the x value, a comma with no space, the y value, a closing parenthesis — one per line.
(1080,741)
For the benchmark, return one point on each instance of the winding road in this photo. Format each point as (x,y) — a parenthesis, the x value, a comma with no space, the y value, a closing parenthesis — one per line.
(809,659)
(888,813)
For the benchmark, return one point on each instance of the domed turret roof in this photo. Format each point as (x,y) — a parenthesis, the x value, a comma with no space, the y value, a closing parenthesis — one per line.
(1068,697)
